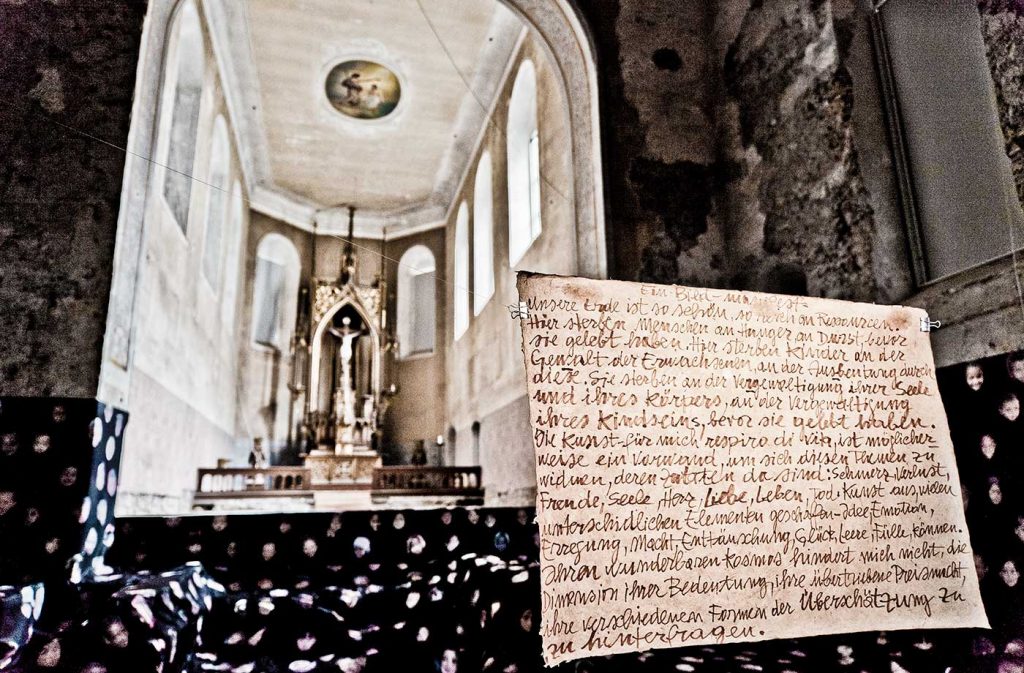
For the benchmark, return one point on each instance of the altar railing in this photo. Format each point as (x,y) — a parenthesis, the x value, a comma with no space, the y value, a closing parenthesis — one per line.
(414,480)
(457,485)
(246,482)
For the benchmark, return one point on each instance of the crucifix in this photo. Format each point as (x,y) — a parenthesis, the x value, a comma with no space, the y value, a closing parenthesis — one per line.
(345,396)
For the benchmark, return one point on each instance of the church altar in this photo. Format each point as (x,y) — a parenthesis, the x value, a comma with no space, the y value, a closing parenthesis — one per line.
(343,468)
(341,361)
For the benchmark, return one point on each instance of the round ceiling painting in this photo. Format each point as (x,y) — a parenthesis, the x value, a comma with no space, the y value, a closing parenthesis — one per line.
(363,89)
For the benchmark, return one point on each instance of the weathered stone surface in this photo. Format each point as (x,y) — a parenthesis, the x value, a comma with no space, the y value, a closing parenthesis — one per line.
(795,97)
(67,72)
(658,140)
(663,69)
(736,167)
(680,193)
(1002,27)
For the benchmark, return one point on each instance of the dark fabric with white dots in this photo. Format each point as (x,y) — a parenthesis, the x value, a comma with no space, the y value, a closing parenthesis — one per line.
(97,513)
(52,451)
(983,402)
(441,590)
(20,608)
(452,590)
(128,623)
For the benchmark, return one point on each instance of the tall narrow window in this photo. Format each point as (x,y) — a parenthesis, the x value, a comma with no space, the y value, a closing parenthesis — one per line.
(233,259)
(268,290)
(534,184)
(460,291)
(416,301)
(216,200)
(179,115)
(483,234)
(476,443)
(523,149)
(275,288)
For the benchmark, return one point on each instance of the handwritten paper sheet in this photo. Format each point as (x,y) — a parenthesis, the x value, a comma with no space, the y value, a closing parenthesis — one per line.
(720,466)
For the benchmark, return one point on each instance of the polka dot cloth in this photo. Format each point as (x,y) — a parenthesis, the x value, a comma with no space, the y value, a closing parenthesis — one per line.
(20,608)
(96,517)
(458,590)
(450,590)
(129,623)
(983,401)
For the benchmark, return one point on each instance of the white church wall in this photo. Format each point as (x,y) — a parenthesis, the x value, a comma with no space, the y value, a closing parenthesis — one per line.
(184,360)
(486,376)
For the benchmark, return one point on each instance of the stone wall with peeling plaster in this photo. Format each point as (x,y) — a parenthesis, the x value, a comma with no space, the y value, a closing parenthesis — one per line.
(1002,27)
(735,153)
(66,69)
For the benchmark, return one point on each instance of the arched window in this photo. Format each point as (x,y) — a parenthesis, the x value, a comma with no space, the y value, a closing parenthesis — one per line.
(217,197)
(475,459)
(449,447)
(275,289)
(179,115)
(460,291)
(523,149)
(233,259)
(416,301)
(483,234)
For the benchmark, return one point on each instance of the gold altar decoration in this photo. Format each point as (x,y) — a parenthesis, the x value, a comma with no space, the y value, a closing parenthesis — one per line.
(343,399)
(355,468)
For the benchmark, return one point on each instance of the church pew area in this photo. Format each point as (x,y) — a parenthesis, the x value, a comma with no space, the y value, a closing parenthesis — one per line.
(454,590)
(443,589)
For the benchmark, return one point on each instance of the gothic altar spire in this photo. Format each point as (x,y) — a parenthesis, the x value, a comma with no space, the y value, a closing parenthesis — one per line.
(348,260)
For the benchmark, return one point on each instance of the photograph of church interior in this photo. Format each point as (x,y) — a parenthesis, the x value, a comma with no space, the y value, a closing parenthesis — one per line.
(328,299)
(262,394)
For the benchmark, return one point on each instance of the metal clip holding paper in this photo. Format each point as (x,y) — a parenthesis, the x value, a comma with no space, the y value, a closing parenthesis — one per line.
(519,311)
(929,325)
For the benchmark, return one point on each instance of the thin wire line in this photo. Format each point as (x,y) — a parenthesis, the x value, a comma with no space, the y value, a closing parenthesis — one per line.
(134,154)
(226,190)
(465,81)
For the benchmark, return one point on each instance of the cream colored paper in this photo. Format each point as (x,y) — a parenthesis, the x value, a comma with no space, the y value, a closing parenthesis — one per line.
(720,466)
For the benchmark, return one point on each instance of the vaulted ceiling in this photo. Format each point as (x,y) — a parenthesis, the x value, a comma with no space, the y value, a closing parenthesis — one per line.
(450,57)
